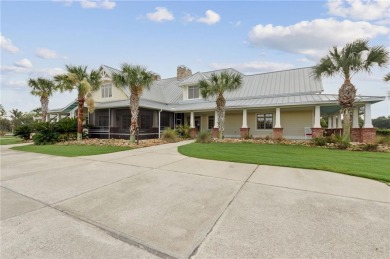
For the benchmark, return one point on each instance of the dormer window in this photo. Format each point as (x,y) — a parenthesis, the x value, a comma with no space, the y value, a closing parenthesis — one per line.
(193,92)
(106,91)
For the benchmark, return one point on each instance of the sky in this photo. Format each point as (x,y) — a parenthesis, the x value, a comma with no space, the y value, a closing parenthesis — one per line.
(38,38)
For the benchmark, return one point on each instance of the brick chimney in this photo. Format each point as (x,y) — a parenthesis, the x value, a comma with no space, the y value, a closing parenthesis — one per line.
(183,72)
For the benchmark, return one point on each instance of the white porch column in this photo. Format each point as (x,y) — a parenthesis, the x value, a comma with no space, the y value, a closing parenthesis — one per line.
(155,119)
(192,120)
(329,122)
(367,116)
(216,119)
(334,123)
(277,118)
(244,119)
(355,118)
(339,121)
(317,117)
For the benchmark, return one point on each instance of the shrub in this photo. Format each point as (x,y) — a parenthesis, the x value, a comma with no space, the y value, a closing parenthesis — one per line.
(342,144)
(169,135)
(333,139)
(46,133)
(23,131)
(67,128)
(321,141)
(369,147)
(384,140)
(204,137)
(383,132)
(183,131)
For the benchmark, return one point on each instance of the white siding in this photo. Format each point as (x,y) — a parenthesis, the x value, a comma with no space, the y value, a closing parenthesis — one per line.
(117,95)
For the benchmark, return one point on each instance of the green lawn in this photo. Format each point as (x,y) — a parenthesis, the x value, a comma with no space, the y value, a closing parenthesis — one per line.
(373,165)
(70,151)
(8,140)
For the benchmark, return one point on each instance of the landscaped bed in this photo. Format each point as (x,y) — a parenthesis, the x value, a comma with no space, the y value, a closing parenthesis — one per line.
(373,165)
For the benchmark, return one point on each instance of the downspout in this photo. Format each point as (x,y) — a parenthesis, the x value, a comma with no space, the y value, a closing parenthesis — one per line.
(159,123)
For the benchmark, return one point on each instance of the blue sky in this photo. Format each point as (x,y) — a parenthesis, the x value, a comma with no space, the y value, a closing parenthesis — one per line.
(39,37)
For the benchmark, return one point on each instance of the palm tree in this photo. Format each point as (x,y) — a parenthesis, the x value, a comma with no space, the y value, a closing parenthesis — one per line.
(387,77)
(43,88)
(352,58)
(217,85)
(85,83)
(137,78)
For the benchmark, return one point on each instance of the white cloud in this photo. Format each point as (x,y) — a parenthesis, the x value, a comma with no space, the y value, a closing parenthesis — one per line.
(13,69)
(7,45)
(161,14)
(91,4)
(15,83)
(46,53)
(304,60)
(210,18)
(253,66)
(24,63)
(312,38)
(236,24)
(360,9)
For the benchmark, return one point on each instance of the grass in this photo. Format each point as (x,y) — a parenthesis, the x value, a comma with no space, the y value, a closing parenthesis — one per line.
(373,165)
(71,150)
(9,140)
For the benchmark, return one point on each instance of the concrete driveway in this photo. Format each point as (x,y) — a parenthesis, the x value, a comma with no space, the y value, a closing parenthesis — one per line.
(154,202)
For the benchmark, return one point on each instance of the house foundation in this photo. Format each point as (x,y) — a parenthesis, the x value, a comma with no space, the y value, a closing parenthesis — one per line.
(193,132)
(368,135)
(215,132)
(244,132)
(356,135)
(277,133)
(317,132)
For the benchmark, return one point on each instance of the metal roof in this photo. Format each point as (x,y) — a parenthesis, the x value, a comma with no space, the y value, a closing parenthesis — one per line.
(292,87)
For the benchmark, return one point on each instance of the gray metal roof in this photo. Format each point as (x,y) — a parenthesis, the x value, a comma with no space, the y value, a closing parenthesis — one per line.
(292,87)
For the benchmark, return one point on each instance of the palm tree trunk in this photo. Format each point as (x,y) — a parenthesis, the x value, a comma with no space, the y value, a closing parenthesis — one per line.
(44,107)
(134,108)
(347,95)
(221,114)
(80,115)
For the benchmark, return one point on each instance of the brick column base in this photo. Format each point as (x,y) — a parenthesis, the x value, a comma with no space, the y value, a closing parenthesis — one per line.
(277,133)
(244,132)
(215,132)
(317,132)
(193,132)
(356,135)
(368,135)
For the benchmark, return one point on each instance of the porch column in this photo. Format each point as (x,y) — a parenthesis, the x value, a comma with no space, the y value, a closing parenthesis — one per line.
(368,132)
(339,121)
(355,130)
(109,123)
(317,130)
(277,118)
(244,130)
(334,123)
(193,131)
(329,122)
(215,130)
(367,116)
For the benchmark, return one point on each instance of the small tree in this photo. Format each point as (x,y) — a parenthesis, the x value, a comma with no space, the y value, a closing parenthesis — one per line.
(347,62)
(217,85)
(43,88)
(85,83)
(136,78)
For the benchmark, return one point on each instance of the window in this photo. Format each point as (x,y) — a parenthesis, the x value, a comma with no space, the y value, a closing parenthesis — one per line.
(106,91)
(264,121)
(211,122)
(126,122)
(103,121)
(193,92)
